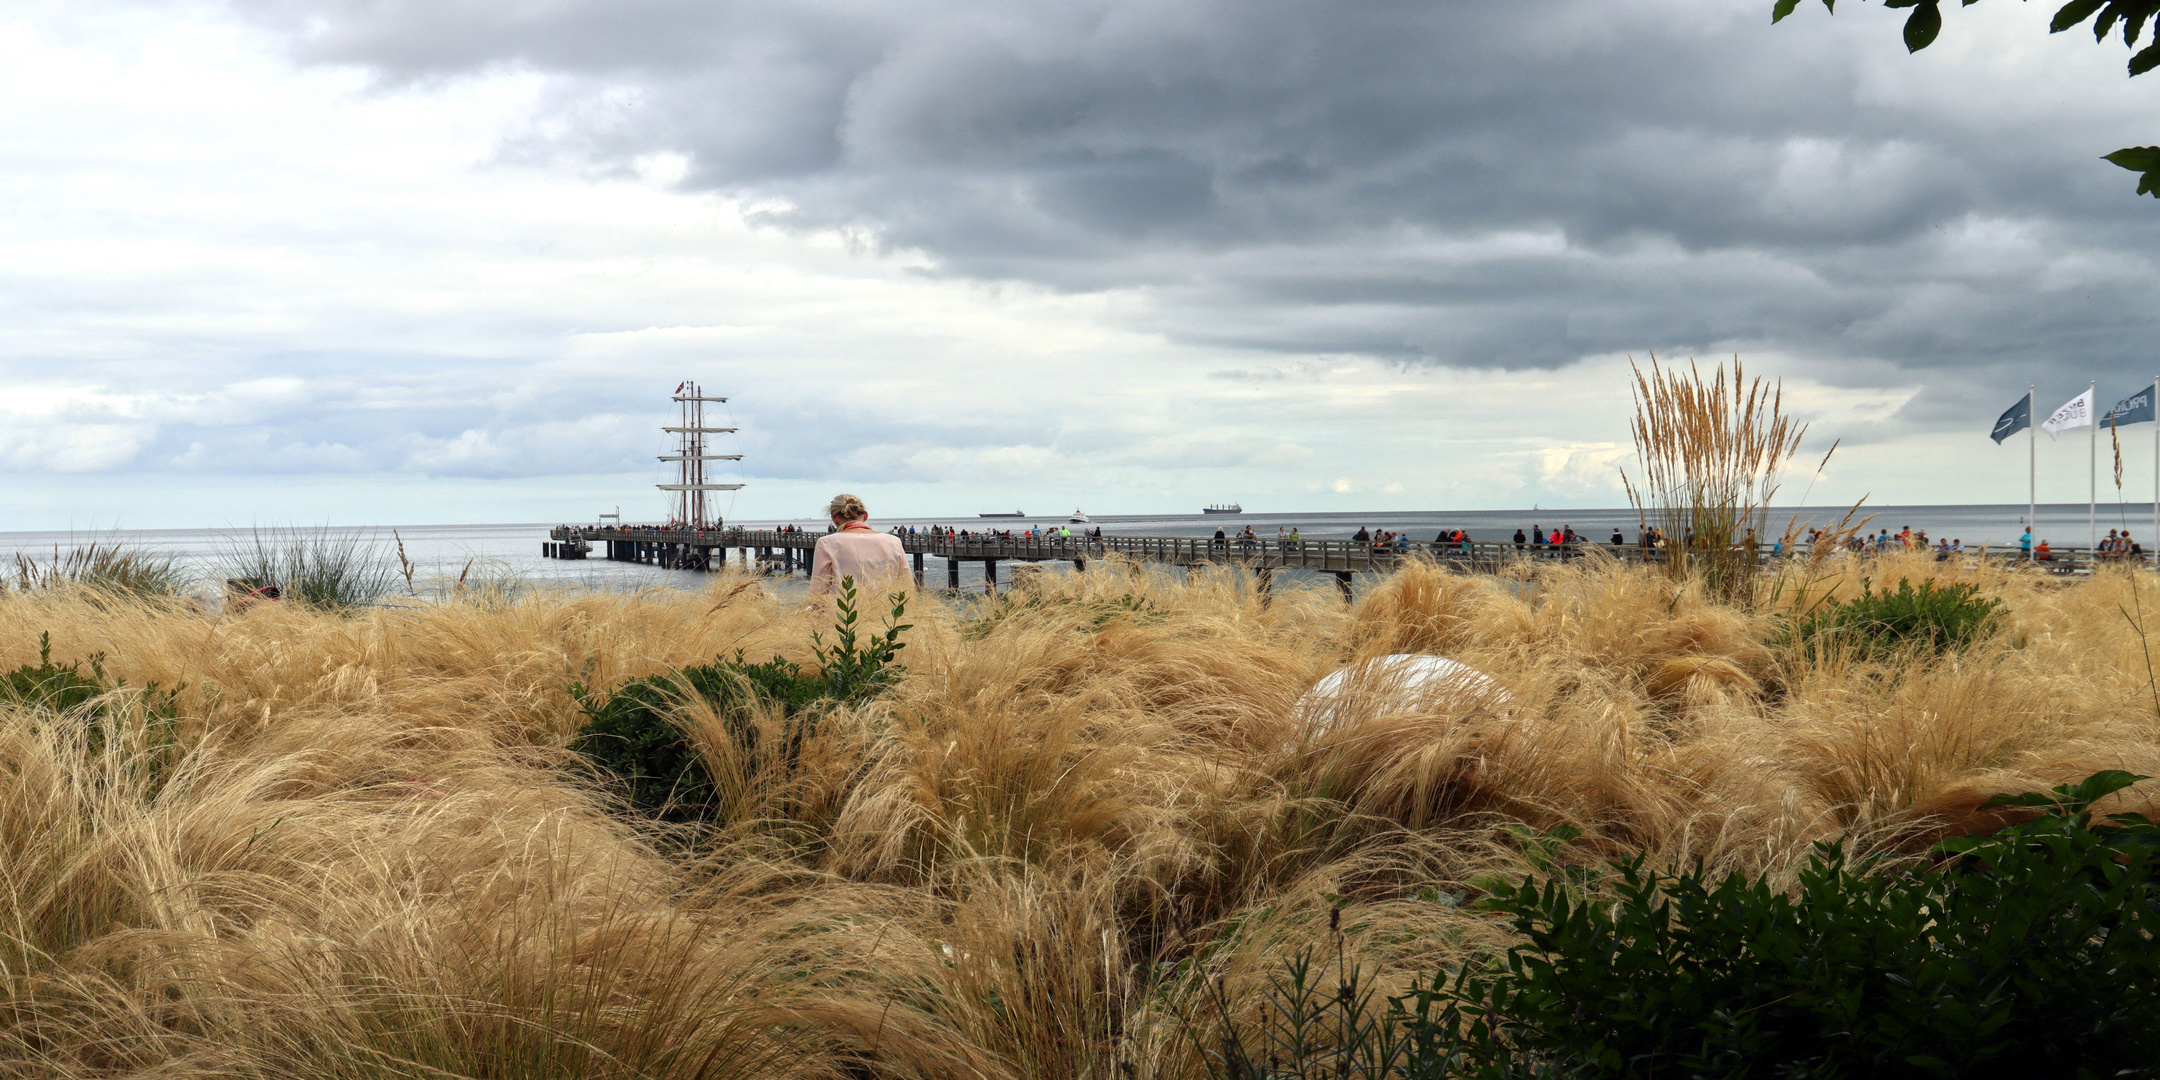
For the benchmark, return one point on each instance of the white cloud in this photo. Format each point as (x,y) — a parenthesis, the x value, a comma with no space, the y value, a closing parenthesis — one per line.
(235,275)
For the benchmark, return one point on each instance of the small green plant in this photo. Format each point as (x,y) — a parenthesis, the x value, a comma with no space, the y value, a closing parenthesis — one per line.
(1932,617)
(65,690)
(1311,1027)
(631,735)
(856,668)
(52,686)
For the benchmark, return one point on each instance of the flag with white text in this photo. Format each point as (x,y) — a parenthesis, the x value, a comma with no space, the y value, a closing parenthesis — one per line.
(2135,409)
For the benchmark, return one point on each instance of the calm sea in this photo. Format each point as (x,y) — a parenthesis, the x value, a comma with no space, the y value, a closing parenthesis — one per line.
(445,551)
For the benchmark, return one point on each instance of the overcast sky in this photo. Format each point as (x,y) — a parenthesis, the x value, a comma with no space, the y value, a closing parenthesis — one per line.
(387,261)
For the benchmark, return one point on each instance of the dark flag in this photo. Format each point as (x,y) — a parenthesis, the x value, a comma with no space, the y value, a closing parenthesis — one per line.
(2018,419)
(2135,409)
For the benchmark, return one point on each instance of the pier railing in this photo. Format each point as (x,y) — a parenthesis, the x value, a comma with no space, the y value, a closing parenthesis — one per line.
(706,548)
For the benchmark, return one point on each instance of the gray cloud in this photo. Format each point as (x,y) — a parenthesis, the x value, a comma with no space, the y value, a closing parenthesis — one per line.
(1471,183)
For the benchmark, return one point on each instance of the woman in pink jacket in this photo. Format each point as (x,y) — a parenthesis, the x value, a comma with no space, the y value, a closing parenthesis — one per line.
(870,557)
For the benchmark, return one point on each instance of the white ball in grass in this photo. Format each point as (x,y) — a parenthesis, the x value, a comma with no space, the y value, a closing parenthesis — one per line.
(1398,683)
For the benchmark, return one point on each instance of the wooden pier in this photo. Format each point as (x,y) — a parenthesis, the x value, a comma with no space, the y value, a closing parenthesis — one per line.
(777,551)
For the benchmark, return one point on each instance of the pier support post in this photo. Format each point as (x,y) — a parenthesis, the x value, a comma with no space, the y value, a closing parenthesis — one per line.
(1264,584)
(1342,581)
(990,575)
(918,569)
(952,574)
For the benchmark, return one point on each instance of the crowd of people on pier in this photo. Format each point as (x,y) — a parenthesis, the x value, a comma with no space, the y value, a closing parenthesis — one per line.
(1537,541)
(1033,533)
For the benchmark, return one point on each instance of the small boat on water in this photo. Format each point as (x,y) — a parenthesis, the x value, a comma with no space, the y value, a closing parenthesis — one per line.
(1224,508)
(1079,517)
(1016,513)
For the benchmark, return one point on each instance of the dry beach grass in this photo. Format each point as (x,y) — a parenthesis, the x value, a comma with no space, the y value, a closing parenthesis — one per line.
(347,845)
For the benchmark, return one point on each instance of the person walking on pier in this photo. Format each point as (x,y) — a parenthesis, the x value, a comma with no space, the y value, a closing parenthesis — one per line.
(853,549)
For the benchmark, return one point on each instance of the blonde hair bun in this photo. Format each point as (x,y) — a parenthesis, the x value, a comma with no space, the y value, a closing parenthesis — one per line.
(846,508)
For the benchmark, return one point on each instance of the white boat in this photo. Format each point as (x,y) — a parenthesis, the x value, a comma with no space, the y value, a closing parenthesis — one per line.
(1079,517)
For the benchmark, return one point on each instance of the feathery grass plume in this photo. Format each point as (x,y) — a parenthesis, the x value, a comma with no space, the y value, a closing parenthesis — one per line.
(109,566)
(321,567)
(1710,450)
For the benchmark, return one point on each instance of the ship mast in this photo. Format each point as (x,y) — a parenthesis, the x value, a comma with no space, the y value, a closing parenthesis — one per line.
(690,487)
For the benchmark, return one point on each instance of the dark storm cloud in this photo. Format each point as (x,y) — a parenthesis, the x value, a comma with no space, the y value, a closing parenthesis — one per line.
(1471,183)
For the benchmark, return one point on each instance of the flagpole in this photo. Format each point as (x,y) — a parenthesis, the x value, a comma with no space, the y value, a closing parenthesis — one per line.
(2032,486)
(2092,474)
(2153,537)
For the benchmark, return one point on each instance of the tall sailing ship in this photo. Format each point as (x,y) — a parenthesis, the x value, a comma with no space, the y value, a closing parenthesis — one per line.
(691,453)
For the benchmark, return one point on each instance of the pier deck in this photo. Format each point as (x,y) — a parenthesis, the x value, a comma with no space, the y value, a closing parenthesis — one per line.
(787,552)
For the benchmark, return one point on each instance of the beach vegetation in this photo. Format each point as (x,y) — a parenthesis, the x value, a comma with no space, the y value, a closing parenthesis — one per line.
(671,743)
(2032,951)
(335,569)
(107,566)
(1708,451)
(57,688)
(370,840)
(1932,617)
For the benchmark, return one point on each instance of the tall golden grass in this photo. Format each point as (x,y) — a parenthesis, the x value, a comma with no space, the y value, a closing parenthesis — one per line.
(1709,450)
(346,844)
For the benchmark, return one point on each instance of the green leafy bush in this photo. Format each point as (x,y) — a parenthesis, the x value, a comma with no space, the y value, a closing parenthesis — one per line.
(104,722)
(2028,953)
(1933,617)
(631,735)
(52,686)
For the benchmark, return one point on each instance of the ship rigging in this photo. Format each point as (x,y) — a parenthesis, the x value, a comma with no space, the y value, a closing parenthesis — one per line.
(692,482)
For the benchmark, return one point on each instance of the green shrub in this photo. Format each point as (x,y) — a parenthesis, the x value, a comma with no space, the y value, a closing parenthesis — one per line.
(51,686)
(1933,617)
(631,735)
(79,699)
(2028,953)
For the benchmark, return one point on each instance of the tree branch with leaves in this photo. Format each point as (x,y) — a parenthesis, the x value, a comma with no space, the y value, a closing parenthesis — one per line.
(2135,19)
